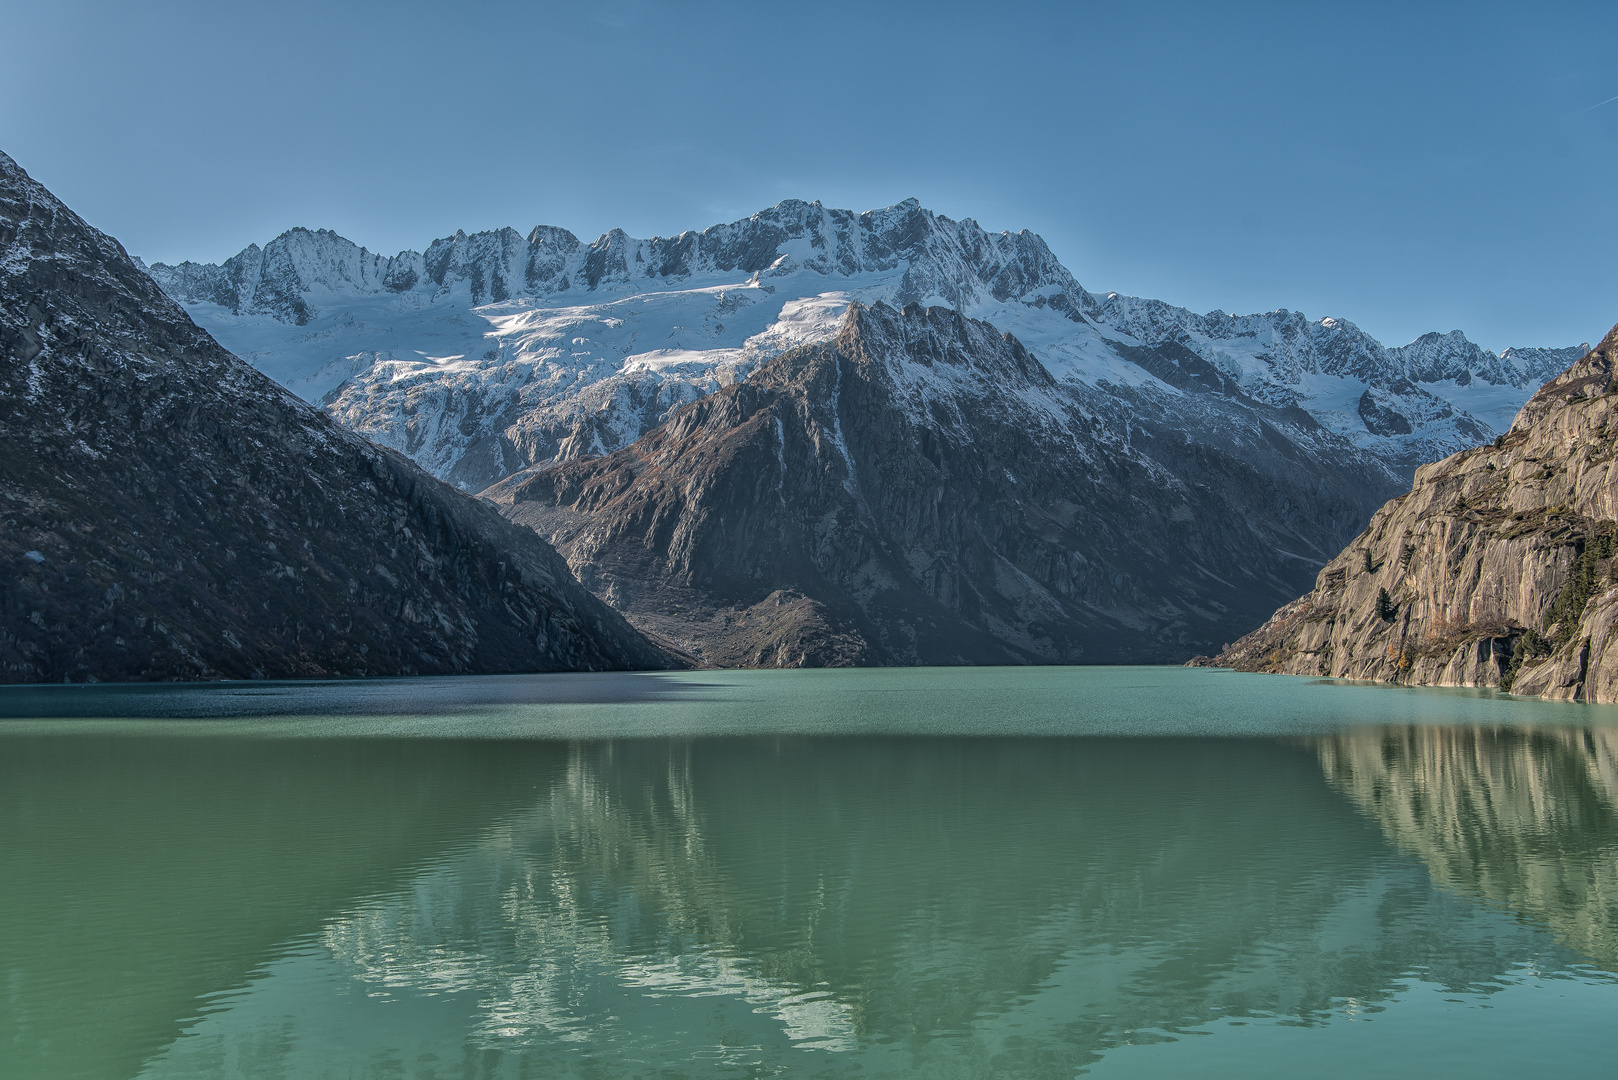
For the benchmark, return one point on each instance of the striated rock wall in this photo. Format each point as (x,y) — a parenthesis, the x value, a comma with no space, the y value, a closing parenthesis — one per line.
(1496,569)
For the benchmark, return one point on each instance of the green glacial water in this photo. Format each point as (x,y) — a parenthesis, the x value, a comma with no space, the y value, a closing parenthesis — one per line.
(1109,872)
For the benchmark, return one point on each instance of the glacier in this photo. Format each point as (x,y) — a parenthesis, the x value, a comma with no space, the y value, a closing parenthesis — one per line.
(491,352)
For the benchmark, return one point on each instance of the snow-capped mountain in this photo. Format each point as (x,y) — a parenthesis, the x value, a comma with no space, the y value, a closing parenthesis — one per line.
(495,351)
(921,490)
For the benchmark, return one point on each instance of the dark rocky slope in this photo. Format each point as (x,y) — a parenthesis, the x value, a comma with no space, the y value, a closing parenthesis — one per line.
(1496,569)
(170,513)
(921,490)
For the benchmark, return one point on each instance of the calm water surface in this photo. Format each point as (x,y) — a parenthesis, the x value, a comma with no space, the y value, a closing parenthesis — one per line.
(1110,872)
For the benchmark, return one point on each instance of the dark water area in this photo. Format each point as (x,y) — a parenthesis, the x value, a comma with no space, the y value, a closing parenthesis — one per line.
(949,873)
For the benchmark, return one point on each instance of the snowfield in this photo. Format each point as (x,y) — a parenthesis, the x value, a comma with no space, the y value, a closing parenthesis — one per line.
(492,352)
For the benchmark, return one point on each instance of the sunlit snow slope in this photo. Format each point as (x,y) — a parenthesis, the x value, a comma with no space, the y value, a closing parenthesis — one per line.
(491,352)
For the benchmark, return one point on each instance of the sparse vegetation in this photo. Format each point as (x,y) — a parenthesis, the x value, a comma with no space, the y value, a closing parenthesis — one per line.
(1368,567)
(1529,646)
(1405,556)
(1386,609)
(1584,582)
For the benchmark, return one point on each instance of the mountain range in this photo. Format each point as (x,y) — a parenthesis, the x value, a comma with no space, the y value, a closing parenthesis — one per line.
(1048,475)
(495,351)
(808,437)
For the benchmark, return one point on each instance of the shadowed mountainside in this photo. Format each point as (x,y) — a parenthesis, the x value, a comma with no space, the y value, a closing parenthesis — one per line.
(171,513)
(921,490)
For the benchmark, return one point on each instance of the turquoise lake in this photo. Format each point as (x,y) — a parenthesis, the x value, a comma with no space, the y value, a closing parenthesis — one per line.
(989,872)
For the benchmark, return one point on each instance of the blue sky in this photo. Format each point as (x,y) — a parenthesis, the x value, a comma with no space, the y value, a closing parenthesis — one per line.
(1409,167)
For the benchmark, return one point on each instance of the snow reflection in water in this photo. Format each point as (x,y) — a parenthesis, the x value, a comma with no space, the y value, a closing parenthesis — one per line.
(957,907)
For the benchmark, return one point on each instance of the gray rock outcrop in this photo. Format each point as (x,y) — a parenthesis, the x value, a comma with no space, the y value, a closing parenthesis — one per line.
(1497,569)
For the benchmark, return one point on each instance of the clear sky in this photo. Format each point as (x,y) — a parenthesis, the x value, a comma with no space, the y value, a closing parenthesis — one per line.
(1409,167)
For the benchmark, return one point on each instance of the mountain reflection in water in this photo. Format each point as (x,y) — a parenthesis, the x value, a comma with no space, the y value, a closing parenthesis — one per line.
(1527,819)
(937,907)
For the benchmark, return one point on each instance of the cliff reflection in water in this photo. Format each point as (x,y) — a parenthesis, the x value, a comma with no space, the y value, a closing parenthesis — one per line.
(1524,818)
(1008,907)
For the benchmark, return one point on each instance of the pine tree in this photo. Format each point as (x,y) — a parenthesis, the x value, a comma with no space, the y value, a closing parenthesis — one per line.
(1386,609)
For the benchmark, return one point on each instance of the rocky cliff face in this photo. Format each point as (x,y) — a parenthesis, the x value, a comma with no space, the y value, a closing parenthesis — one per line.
(1496,569)
(171,513)
(922,490)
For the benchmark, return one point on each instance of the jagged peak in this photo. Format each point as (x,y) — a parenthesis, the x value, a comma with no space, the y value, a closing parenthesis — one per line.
(934,335)
(1533,353)
(300,230)
(610,239)
(1333,322)
(541,234)
(1589,376)
(1436,335)
(784,206)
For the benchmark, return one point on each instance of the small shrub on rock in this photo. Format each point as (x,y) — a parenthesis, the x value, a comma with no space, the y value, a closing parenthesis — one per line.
(1529,646)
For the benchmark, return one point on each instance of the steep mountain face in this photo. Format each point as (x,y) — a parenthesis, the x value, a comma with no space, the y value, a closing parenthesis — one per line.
(1495,570)
(921,489)
(495,351)
(171,513)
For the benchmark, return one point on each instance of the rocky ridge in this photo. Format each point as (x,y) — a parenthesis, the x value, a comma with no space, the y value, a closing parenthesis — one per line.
(1497,569)
(170,513)
(921,489)
(494,351)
